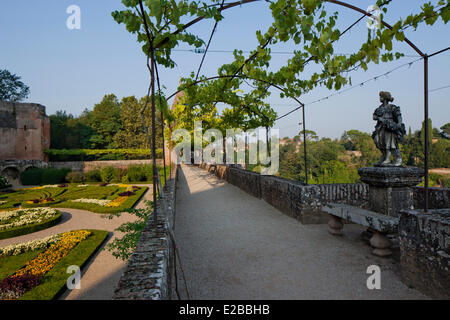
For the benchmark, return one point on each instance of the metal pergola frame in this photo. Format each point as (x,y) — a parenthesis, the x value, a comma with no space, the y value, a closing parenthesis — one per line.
(152,66)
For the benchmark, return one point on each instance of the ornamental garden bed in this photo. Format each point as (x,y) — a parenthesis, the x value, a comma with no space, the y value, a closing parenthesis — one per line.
(37,270)
(14,223)
(107,198)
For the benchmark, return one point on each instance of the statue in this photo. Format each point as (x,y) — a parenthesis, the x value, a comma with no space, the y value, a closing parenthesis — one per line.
(389,131)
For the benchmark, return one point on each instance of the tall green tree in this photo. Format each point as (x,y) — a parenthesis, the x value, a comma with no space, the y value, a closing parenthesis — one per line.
(440,154)
(132,135)
(310,135)
(361,141)
(11,88)
(430,133)
(105,120)
(68,132)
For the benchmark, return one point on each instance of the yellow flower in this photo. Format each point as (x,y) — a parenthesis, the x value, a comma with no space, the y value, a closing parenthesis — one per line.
(117,201)
(46,260)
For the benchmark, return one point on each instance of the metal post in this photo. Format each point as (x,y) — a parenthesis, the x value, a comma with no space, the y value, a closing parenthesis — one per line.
(425,60)
(155,173)
(304,145)
(163,143)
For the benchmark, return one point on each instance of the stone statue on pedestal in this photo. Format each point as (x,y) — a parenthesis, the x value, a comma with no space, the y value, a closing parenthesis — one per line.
(389,131)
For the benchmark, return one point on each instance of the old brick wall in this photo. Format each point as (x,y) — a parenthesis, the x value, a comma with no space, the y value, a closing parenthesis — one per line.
(24,131)
(425,251)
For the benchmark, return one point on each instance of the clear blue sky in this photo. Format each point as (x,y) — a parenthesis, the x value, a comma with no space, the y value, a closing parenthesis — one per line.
(73,69)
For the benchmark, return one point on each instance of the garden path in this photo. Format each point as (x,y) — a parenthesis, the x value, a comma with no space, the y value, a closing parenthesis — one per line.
(235,246)
(101,275)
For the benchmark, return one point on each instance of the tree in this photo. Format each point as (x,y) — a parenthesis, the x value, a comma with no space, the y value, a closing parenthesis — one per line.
(446,129)
(361,141)
(430,133)
(11,88)
(132,135)
(105,120)
(69,132)
(310,135)
(58,130)
(440,154)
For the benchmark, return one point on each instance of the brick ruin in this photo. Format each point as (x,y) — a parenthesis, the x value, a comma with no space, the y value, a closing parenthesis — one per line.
(24,136)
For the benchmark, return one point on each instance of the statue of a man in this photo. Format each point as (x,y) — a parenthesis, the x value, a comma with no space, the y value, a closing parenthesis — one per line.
(389,131)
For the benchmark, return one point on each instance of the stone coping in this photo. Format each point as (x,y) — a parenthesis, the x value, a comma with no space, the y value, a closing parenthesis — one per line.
(391,176)
(436,215)
(376,221)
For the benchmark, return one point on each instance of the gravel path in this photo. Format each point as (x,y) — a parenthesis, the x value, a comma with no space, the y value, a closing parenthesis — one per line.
(101,275)
(234,246)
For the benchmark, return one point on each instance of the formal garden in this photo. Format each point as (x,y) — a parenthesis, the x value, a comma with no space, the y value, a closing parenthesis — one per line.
(103,198)
(37,269)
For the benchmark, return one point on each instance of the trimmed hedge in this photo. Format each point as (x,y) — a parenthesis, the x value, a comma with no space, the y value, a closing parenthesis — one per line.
(54,283)
(93,176)
(31,177)
(111,174)
(98,154)
(37,176)
(75,177)
(22,230)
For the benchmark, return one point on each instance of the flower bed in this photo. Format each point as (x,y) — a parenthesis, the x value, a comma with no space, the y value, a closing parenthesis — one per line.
(117,202)
(23,221)
(44,275)
(16,249)
(40,265)
(94,201)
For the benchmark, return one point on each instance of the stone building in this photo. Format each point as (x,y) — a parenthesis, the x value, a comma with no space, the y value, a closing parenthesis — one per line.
(24,136)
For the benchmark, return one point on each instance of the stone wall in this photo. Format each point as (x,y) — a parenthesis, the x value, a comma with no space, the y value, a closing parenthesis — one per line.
(149,272)
(291,197)
(24,131)
(425,251)
(86,166)
(438,198)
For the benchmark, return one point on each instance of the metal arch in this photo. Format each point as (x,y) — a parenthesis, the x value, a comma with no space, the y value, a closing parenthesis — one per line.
(239,3)
(344,4)
(302,105)
(235,76)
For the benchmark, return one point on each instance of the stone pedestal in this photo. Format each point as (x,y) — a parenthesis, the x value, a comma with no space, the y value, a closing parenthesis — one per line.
(390,188)
(390,191)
